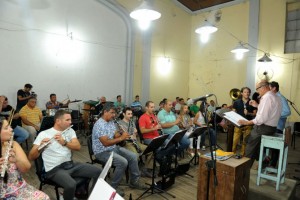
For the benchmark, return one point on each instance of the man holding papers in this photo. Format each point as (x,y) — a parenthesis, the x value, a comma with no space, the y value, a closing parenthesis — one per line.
(242,107)
(266,120)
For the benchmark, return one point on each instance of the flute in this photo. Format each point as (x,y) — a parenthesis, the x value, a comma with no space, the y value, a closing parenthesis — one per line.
(4,166)
(46,143)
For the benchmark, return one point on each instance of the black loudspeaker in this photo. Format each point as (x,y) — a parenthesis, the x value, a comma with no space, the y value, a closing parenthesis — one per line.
(182,168)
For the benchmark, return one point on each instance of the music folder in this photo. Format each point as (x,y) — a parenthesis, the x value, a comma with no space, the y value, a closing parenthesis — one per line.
(234,118)
(102,189)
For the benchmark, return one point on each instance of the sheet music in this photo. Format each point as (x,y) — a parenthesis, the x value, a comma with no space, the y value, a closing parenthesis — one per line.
(234,118)
(104,191)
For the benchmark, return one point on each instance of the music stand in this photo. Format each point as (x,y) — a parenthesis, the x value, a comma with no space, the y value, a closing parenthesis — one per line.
(175,140)
(195,134)
(152,147)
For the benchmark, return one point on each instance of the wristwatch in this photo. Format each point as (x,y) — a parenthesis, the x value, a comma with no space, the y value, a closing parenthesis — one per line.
(65,143)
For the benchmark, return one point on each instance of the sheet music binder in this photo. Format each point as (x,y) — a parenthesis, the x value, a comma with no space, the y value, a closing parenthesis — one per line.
(233,117)
(102,189)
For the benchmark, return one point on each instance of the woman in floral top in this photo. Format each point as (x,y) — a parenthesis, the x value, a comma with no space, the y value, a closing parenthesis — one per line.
(12,185)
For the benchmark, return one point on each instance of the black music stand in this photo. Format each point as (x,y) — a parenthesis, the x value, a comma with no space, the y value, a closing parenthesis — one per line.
(152,147)
(195,134)
(174,140)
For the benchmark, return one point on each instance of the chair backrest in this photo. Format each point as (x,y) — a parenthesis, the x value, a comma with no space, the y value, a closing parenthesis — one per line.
(39,168)
(47,122)
(75,114)
(90,148)
(297,126)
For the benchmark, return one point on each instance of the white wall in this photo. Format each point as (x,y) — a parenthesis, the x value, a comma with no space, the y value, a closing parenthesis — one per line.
(34,48)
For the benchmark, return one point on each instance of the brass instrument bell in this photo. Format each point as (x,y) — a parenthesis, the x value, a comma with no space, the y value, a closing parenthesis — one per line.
(235,94)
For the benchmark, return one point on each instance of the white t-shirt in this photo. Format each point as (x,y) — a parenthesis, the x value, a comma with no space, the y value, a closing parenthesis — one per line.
(55,154)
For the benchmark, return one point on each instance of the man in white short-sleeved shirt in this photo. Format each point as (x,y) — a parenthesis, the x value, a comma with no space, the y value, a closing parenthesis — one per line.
(57,155)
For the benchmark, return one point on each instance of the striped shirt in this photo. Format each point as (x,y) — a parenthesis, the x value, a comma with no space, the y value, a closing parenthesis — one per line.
(31,114)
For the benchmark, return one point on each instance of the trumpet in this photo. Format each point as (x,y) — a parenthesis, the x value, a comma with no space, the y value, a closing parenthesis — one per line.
(4,166)
(42,146)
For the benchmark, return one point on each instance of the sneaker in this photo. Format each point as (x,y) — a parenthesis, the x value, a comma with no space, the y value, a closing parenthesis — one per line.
(203,148)
(190,152)
(120,192)
(137,185)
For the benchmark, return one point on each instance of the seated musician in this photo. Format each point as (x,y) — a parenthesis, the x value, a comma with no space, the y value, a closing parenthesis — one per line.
(200,121)
(136,107)
(57,155)
(119,105)
(104,139)
(169,124)
(242,107)
(53,104)
(99,106)
(186,123)
(20,134)
(31,117)
(13,185)
(133,144)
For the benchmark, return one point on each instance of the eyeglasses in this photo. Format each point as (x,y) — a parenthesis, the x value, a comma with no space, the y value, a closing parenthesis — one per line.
(260,87)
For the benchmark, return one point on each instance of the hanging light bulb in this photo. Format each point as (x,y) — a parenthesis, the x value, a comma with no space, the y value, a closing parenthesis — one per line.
(205,31)
(265,58)
(207,28)
(144,14)
(239,51)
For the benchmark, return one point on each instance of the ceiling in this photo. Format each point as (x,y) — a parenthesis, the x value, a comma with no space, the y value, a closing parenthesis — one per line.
(196,5)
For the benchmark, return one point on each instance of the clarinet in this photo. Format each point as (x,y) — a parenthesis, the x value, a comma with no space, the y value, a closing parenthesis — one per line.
(120,127)
(134,142)
(4,166)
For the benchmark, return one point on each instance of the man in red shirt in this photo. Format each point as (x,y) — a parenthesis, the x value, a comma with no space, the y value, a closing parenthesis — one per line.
(149,127)
(149,124)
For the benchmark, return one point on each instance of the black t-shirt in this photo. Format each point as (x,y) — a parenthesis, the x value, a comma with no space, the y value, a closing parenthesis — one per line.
(5,114)
(21,103)
(239,106)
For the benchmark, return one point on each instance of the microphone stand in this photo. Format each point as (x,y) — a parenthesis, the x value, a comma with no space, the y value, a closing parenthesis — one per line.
(210,164)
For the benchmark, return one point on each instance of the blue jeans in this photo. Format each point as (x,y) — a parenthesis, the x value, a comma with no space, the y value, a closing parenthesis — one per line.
(20,134)
(122,157)
(212,137)
(183,143)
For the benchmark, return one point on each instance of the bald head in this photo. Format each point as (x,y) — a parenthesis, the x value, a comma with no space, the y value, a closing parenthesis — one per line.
(262,87)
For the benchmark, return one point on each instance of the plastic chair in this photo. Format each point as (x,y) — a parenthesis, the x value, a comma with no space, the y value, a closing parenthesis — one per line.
(274,142)
(296,131)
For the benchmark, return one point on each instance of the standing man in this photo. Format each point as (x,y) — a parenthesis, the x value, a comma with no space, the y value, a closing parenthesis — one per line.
(53,104)
(57,155)
(169,123)
(31,117)
(286,111)
(266,120)
(20,134)
(105,137)
(23,96)
(242,107)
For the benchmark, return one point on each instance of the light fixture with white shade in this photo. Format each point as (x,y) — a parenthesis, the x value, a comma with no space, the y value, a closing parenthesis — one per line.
(239,51)
(144,14)
(265,58)
(205,30)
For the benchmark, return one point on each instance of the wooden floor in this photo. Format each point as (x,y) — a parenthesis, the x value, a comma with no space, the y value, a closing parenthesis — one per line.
(185,187)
